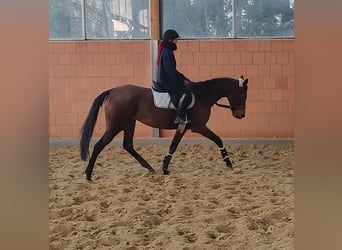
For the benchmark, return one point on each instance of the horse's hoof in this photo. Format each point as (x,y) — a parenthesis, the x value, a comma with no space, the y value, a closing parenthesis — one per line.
(151,170)
(230,166)
(165,171)
(88,176)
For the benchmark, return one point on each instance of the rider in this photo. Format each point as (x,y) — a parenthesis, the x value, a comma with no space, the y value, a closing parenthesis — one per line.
(169,78)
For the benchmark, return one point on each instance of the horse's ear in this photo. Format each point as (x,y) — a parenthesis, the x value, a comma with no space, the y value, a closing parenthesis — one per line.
(241,81)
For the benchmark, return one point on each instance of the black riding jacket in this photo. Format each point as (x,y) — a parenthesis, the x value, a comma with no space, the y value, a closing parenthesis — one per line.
(169,78)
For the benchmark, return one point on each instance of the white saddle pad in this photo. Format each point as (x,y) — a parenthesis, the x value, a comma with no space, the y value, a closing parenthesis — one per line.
(163,100)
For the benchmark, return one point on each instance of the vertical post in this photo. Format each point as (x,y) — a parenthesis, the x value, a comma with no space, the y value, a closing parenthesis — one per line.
(154,37)
(154,20)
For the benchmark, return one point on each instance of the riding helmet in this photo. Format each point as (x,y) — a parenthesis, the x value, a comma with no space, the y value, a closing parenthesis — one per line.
(170,34)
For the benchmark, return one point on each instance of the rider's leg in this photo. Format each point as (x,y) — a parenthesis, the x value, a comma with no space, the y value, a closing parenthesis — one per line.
(184,102)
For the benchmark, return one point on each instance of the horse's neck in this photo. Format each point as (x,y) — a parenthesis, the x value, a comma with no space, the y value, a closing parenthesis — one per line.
(212,90)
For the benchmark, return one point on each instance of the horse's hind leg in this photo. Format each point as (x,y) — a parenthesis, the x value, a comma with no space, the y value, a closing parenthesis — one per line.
(174,144)
(128,145)
(105,139)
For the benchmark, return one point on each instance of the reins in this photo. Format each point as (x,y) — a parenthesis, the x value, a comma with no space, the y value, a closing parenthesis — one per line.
(223,105)
(227,106)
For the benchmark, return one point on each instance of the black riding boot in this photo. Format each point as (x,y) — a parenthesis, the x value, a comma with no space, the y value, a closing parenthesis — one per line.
(184,102)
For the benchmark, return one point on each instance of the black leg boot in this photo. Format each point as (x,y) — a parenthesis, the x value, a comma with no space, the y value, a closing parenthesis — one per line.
(184,102)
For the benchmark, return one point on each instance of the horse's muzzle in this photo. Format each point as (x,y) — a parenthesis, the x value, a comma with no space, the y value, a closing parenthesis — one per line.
(239,113)
(239,116)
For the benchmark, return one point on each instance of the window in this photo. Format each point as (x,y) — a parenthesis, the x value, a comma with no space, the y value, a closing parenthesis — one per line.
(265,18)
(66,19)
(99,19)
(117,19)
(198,18)
(229,18)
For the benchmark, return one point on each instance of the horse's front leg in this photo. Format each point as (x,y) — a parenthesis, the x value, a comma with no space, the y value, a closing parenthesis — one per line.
(225,157)
(206,132)
(174,144)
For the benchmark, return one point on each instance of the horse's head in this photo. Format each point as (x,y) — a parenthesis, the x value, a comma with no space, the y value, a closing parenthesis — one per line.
(237,98)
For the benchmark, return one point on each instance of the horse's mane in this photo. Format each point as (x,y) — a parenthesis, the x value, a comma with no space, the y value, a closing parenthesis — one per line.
(211,82)
(203,87)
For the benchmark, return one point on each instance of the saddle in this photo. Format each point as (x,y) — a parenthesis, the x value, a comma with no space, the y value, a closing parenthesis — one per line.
(163,99)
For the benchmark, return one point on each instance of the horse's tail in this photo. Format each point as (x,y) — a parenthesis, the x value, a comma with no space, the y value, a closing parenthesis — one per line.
(89,124)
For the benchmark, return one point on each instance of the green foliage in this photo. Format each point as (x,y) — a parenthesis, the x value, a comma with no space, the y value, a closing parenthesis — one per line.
(191,18)
(65,19)
(198,18)
(264,18)
(254,18)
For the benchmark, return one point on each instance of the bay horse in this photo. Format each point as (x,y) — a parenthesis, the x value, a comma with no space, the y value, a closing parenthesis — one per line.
(126,104)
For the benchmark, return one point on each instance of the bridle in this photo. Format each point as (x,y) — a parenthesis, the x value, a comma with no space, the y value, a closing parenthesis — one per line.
(229,106)
(241,81)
